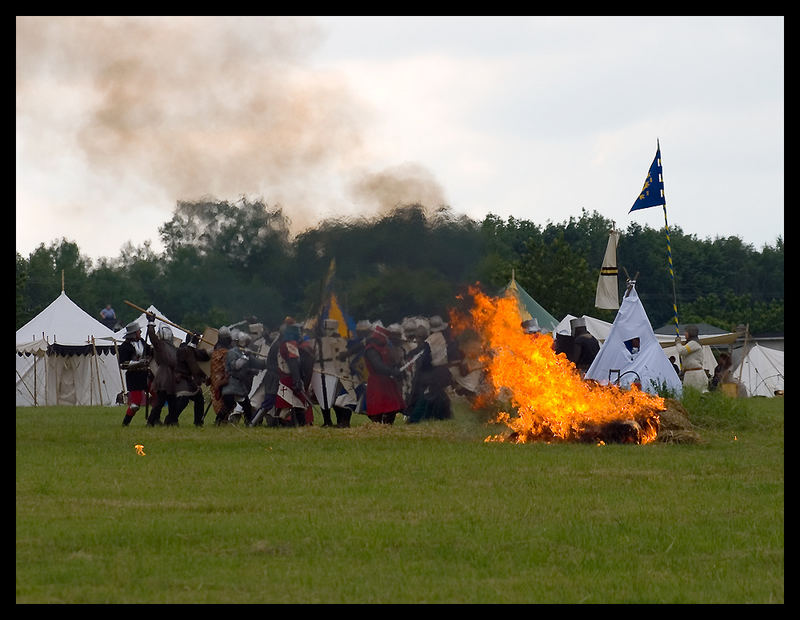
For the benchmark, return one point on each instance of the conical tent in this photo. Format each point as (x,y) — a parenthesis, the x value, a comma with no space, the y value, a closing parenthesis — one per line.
(616,363)
(66,357)
(528,307)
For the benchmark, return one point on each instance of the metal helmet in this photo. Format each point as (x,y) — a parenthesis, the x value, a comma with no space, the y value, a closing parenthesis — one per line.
(242,339)
(165,333)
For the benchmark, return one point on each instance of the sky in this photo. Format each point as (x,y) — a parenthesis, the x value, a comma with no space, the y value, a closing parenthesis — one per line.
(539,118)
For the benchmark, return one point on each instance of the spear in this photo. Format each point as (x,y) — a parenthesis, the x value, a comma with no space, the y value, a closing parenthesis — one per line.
(175,325)
(163,320)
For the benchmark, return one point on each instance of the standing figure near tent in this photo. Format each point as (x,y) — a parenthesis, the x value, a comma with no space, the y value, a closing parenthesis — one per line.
(134,356)
(672,361)
(722,373)
(165,355)
(384,383)
(241,367)
(189,379)
(108,317)
(219,376)
(691,353)
(585,346)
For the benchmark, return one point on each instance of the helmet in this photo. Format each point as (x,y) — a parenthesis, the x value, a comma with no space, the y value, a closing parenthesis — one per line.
(131,329)
(165,333)
(224,337)
(290,332)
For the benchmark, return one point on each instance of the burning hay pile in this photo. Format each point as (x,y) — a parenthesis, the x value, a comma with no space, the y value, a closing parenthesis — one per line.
(675,426)
(549,399)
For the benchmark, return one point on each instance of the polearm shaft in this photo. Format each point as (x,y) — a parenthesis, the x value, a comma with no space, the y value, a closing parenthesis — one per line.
(188,331)
(167,321)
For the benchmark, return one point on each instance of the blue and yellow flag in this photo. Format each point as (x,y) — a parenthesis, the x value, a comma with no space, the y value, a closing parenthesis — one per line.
(330,305)
(652,194)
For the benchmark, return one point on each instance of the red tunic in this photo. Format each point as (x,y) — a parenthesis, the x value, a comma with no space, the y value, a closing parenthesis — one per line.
(290,389)
(384,393)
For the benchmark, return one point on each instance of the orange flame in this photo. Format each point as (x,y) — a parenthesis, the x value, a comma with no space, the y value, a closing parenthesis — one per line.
(551,400)
(139,449)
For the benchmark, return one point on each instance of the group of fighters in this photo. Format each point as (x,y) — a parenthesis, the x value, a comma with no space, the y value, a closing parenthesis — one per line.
(278,379)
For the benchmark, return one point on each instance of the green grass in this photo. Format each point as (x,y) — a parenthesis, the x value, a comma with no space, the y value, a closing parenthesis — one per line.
(424,513)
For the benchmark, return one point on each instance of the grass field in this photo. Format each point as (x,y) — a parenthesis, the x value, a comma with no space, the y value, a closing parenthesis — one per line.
(425,513)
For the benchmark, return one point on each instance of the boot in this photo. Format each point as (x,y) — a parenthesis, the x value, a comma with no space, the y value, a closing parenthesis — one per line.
(127,420)
(342,417)
(326,417)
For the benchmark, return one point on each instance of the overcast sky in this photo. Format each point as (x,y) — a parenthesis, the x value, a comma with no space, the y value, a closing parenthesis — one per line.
(118,119)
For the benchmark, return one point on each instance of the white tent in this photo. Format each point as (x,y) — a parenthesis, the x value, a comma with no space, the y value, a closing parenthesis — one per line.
(66,357)
(615,362)
(597,328)
(760,371)
(600,330)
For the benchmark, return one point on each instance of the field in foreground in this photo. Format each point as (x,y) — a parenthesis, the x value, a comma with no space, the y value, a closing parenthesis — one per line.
(425,513)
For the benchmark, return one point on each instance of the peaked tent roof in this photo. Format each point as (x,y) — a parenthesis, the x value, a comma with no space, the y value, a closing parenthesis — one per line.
(707,334)
(528,307)
(650,364)
(63,322)
(596,327)
(761,371)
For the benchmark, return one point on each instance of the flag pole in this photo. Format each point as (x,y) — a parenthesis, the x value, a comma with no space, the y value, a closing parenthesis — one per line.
(669,249)
(671,273)
(652,195)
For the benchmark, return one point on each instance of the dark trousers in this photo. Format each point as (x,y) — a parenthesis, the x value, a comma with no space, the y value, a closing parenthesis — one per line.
(181,402)
(229,404)
(162,398)
(343,415)
(383,418)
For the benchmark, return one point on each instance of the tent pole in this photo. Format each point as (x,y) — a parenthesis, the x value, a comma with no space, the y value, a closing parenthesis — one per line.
(121,378)
(744,351)
(97,370)
(22,380)
(46,371)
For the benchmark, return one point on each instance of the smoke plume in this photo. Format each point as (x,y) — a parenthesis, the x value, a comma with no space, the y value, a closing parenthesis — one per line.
(171,109)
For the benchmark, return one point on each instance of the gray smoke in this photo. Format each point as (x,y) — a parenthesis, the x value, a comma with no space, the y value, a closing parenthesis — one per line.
(192,107)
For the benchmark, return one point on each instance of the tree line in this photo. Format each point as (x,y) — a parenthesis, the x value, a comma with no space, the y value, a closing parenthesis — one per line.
(223,262)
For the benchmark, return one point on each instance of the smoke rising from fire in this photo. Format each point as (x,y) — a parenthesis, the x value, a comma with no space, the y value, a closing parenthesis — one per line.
(162,110)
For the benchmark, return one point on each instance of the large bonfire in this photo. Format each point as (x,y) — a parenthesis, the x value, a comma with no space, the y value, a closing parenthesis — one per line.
(547,398)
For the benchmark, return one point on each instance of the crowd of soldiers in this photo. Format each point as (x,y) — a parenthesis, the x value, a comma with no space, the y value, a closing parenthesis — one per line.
(407,370)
